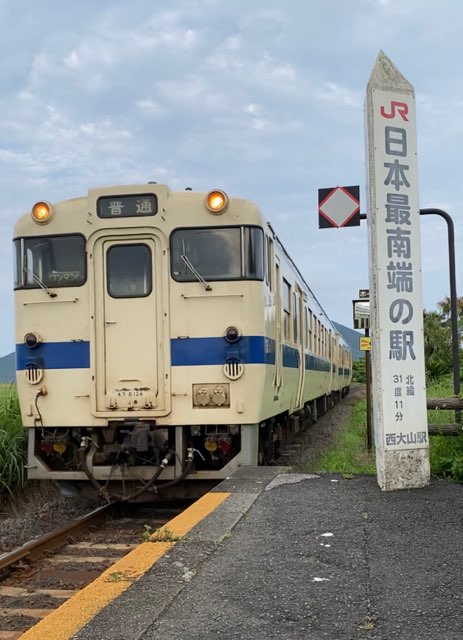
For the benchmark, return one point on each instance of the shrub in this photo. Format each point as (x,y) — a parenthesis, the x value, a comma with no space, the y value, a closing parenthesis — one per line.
(13,442)
(359,371)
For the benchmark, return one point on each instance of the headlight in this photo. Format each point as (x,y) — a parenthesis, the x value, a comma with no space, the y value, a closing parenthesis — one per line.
(217,201)
(42,212)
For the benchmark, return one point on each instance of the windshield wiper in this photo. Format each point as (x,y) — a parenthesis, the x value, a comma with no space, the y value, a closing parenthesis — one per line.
(41,284)
(196,273)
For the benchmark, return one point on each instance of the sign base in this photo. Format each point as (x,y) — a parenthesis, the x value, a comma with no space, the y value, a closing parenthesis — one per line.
(408,469)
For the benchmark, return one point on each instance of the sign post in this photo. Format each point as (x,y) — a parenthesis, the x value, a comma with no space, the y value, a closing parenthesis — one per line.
(398,373)
(362,321)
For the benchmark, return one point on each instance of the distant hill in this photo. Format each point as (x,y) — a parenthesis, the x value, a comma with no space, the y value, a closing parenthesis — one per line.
(7,369)
(352,338)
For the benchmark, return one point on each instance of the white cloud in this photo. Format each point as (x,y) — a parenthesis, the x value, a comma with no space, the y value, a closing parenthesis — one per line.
(341,96)
(72,60)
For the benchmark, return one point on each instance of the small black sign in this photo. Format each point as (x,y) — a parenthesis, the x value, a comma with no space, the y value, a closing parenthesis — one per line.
(339,207)
(127,206)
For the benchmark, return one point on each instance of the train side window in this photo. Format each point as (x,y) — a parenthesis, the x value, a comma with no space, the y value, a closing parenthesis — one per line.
(266,261)
(306,327)
(310,321)
(270,261)
(315,336)
(295,319)
(129,271)
(286,295)
(50,261)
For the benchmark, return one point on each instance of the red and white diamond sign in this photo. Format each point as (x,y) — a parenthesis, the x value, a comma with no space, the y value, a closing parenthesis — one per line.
(339,207)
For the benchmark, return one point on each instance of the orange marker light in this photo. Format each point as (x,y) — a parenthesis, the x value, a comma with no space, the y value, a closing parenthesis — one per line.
(217,201)
(42,212)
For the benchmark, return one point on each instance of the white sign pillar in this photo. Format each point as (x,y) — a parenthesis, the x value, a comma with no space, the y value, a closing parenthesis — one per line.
(398,372)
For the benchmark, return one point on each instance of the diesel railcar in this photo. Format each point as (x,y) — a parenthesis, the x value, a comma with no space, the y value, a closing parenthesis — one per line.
(163,339)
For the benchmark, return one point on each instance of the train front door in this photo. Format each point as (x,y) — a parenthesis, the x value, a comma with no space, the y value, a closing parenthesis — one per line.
(129,340)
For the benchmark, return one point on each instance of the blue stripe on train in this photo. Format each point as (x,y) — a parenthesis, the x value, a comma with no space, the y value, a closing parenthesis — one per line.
(54,355)
(185,352)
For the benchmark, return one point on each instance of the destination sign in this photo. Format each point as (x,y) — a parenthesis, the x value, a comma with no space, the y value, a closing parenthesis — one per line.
(127,206)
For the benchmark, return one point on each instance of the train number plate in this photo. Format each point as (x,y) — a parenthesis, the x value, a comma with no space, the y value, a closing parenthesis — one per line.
(131,399)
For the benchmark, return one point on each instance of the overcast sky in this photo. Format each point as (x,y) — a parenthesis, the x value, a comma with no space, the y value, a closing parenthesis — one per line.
(262,98)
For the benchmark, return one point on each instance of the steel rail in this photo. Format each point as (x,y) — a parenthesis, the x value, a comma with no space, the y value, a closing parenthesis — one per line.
(54,539)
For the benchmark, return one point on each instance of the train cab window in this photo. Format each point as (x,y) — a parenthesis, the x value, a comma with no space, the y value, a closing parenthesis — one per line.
(253,253)
(50,261)
(129,271)
(17,265)
(219,253)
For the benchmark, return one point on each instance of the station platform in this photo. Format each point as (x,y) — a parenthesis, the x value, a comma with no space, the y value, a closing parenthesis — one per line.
(298,557)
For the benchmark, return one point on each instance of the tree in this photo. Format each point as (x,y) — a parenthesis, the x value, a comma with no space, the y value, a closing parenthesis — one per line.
(445,307)
(437,344)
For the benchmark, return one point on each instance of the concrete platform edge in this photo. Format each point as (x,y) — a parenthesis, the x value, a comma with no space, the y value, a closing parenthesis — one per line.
(170,574)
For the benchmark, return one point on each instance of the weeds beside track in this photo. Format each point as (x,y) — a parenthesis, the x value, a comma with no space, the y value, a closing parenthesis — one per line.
(13,442)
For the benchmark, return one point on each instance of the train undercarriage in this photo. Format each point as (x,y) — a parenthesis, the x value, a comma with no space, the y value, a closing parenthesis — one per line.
(138,460)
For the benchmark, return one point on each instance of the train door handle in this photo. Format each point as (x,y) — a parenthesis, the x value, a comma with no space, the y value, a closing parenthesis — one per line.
(108,322)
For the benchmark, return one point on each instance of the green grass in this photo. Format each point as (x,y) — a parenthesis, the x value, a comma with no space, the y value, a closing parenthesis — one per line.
(445,452)
(349,453)
(440,388)
(13,442)
(5,390)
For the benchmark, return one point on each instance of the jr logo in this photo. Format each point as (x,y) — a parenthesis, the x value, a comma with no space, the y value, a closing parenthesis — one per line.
(400,107)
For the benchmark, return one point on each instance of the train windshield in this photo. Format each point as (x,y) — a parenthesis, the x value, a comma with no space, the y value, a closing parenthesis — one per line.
(50,261)
(219,253)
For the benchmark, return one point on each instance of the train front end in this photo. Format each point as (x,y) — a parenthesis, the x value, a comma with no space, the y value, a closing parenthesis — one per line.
(141,356)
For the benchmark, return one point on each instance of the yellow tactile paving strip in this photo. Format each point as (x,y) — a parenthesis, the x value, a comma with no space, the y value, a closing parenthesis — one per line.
(64,622)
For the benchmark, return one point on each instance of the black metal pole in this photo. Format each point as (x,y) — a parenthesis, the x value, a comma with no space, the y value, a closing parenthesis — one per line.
(368,394)
(453,297)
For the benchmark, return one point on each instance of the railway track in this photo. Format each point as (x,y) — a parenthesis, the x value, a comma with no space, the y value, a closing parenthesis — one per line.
(43,573)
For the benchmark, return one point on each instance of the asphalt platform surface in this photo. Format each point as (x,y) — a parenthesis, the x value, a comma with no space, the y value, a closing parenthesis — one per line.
(301,557)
